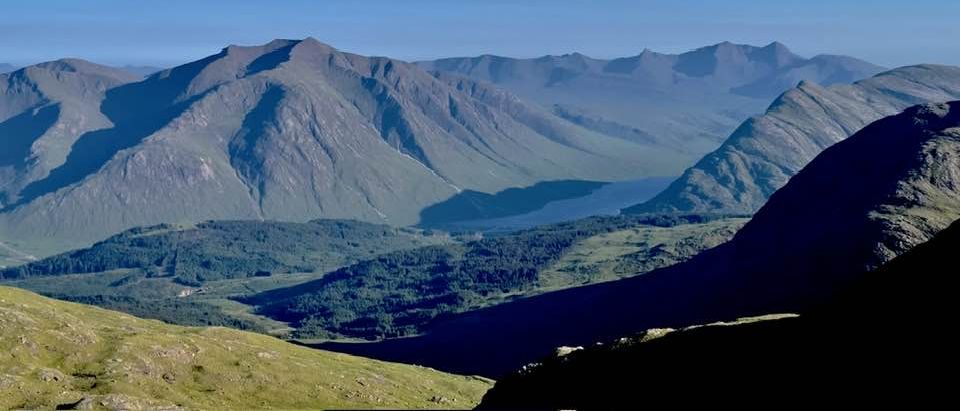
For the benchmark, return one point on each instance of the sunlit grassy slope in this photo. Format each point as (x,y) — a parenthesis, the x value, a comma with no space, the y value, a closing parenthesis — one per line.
(633,251)
(55,353)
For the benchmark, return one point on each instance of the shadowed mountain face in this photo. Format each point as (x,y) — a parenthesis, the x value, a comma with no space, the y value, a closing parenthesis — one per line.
(689,101)
(886,333)
(856,206)
(765,151)
(291,130)
(44,110)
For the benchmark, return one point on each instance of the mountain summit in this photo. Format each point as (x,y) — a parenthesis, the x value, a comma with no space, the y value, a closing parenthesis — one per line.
(288,130)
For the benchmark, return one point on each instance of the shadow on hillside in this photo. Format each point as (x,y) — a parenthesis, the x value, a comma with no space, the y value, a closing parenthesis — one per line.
(137,110)
(475,205)
(20,132)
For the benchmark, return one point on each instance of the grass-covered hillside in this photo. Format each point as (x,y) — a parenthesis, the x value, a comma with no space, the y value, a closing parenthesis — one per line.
(60,354)
(10,256)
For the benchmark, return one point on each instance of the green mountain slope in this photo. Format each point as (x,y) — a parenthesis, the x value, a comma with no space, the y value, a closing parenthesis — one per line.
(884,339)
(57,353)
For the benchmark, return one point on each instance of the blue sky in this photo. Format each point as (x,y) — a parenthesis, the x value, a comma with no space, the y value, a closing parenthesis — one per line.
(170,32)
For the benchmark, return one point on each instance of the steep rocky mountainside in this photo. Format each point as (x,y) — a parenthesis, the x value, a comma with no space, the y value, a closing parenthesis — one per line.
(886,333)
(291,130)
(690,101)
(860,203)
(71,356)
(765,151)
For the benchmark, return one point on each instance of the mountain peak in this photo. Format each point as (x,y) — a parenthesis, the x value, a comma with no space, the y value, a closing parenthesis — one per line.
(776,45)
(83,67)
(312,45)
(235,49)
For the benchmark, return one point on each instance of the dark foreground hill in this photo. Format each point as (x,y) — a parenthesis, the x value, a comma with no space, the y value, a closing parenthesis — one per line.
(859,204)
(886,338)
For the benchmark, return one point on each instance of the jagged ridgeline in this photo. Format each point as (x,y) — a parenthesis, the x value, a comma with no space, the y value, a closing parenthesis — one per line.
(689,101)
(72,356)
(290,130)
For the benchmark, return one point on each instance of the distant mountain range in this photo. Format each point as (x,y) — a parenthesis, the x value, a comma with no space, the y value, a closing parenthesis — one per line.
(765,151)
(859,204)
(6,68)
(290,130)
(689,101)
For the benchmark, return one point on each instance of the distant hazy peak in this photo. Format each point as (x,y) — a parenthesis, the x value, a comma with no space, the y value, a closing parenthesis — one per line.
(84,67)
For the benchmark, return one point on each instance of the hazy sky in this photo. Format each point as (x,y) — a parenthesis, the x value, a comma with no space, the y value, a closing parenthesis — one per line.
(168,32)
